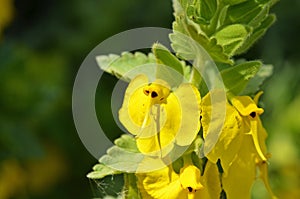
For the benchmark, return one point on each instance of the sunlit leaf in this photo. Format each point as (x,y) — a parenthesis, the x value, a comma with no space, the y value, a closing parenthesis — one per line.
(232,37)
(236,77)
(127,142)
(171,68)
(185,48)
(100,171)
(117,156)
(127,65)
(255,83)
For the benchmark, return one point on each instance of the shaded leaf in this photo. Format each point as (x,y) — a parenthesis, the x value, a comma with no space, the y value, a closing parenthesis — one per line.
(243,13)
(257,33)
(233,2)
(130,186)
(236,77)
(208,9)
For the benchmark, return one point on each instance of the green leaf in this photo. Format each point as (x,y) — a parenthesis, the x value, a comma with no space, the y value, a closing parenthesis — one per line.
(112,197)
(118,159)
(222,16)
(233,2)
(171,69)
(243,13)
(127,142)
(232,37)
(258,19)
(127,65)
(257,33)
(117,156)
(180,6)
(254,84)
(101,171)
(208,9)
(236,77)
(186,39)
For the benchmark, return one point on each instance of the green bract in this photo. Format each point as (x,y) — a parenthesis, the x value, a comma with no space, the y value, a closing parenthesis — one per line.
(223,28)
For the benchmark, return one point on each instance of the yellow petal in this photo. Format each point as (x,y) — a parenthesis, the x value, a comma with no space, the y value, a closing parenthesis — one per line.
(211,182)
(190,178)
(257,96)
(230,139)
(263,168)
(159,118)
(133,117)
(248,108)
(255,136)
(241,174)
(161,184)
(189,104)
(245,105)
(159,139)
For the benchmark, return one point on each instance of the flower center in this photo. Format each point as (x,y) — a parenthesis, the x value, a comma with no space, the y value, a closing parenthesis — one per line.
(157,92)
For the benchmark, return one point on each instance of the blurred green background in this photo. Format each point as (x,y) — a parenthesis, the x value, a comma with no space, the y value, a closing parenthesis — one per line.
(42,44)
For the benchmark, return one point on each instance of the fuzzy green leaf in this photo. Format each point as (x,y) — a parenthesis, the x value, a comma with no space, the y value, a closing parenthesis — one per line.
(257,33)
(187,33)
(232,37)
(101,171)
(127,143)
(170,68)
(127,65)
(233,2)
(117,156)
(112,197)
(118,159)
(208,9)
(236,77)
(180,6)
(243,13)
(222,16)
(254,84)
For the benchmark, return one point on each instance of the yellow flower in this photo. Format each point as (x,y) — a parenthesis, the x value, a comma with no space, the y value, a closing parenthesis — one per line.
(160,117)
(241,146)
(188,184)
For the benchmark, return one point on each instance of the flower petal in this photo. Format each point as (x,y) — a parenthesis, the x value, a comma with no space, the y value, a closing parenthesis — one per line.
(263,168)
(241,174)
(211,182)
(230,139)
(161,184)
(134,109)
(190,178)
(189,104)
(245,105)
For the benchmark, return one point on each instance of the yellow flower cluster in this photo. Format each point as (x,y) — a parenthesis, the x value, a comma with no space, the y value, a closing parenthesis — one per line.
(161,118)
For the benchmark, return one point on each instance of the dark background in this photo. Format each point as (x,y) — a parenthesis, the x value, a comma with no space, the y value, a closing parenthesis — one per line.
(41,49)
